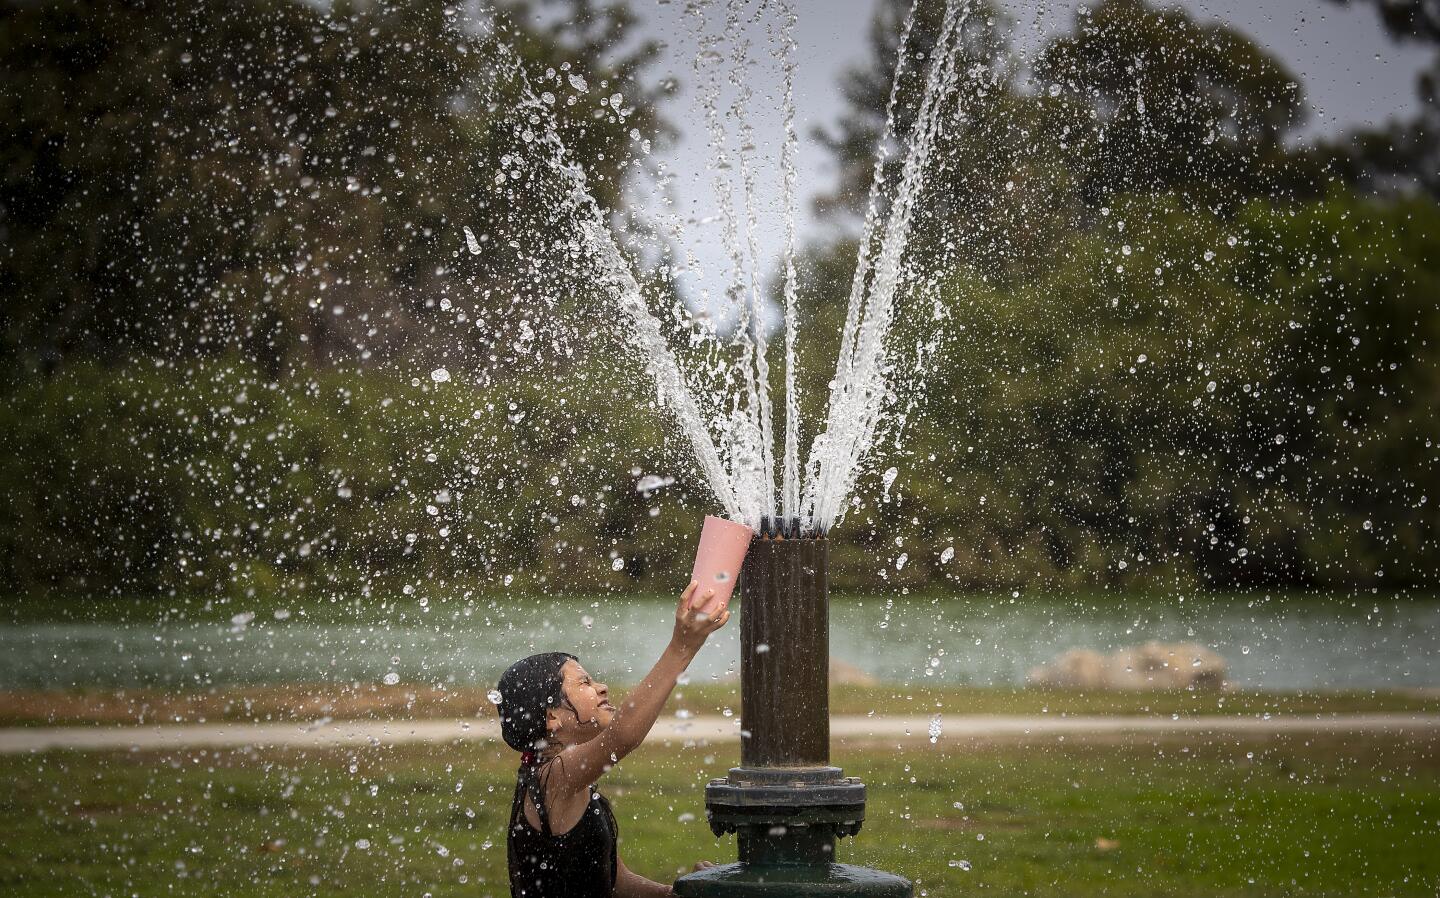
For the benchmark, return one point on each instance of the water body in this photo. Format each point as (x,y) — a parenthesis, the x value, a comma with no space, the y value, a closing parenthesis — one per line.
(1311,643)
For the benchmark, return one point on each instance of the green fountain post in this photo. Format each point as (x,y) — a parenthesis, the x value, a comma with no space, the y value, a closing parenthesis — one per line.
(785,803)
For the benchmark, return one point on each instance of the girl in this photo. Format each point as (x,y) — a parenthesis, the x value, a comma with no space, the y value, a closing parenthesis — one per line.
(562,834)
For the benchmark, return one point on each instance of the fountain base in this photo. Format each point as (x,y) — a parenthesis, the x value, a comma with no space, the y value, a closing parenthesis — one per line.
(792,881)
(787,820)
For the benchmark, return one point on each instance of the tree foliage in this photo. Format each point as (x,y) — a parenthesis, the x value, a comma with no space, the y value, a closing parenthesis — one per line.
(1173,358)
(1194,400)
(1403,155)
(1173,355)
(273,177)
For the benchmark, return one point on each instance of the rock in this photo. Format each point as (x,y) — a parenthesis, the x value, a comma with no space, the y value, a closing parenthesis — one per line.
(843,673)
(1154,665)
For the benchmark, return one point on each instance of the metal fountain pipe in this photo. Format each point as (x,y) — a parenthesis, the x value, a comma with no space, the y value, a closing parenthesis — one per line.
(786,805)
(785,651)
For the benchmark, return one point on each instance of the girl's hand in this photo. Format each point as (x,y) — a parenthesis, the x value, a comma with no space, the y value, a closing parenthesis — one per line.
(702,865)
(692,627)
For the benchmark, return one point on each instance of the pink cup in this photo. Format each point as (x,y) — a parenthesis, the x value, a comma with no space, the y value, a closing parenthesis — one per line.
(723,545)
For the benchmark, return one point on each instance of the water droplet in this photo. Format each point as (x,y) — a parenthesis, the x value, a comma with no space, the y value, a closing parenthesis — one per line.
(652,482)
(888,479)
(440,375)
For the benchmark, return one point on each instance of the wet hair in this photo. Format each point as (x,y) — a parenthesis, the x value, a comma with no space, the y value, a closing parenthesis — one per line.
(529,689)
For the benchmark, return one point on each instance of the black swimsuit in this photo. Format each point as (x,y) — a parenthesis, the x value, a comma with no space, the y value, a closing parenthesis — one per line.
(579,863)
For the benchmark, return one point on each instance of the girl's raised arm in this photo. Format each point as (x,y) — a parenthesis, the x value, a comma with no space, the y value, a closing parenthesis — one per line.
(583,764)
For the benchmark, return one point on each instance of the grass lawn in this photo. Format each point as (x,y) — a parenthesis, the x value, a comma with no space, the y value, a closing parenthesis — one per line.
(371,700)
(1234,816)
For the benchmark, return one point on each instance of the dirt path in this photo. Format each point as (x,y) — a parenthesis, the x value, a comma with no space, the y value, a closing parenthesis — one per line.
(843,729)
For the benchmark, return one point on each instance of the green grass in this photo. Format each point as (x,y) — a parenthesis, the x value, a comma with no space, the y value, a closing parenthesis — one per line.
(1227,817)
(342,701)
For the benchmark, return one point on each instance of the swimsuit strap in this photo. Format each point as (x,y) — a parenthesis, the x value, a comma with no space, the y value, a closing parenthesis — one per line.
(535,789)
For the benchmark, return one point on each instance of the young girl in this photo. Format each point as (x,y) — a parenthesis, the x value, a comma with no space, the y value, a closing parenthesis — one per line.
(562,833)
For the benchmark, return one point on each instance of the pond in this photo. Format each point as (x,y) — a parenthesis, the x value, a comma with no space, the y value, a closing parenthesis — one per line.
(1268,642)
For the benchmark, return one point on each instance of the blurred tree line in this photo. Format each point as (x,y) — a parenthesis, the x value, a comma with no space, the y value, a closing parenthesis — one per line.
(273,177)
(1182,348)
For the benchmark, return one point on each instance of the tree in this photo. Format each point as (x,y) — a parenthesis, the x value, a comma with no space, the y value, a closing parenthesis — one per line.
(1151,234)
(1404,155)
(273,176)
(1132,100)
(1173,104)
(996,189)
(1194,400)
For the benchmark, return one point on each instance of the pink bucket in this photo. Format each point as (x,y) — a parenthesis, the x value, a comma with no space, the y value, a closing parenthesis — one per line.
(723,545)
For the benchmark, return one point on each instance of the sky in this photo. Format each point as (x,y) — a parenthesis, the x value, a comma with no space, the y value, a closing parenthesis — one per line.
(1353,75)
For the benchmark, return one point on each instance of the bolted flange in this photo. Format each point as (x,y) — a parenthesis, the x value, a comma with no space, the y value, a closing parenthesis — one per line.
(770,797)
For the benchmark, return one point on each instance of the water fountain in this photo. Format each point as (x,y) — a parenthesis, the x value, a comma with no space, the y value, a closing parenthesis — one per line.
(785,802)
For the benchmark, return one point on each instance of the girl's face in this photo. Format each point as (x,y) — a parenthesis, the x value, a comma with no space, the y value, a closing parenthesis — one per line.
(591,703)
